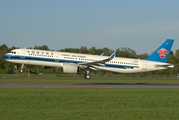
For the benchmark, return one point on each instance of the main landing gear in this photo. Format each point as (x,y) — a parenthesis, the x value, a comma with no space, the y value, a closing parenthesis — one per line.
(87,75)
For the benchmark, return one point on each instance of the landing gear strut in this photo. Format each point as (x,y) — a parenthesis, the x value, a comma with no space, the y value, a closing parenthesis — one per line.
(87,75)
(22,67)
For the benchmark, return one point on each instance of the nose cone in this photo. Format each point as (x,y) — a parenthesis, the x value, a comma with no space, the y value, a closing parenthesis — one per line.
(6,56)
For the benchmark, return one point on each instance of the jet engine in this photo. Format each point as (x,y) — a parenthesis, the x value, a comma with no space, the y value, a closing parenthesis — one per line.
(70,68)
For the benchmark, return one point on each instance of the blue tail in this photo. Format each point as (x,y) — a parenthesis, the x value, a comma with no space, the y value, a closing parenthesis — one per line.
(162,53)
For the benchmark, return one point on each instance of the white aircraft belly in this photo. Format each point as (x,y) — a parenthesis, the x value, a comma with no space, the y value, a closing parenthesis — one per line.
(118,70)
(34,62)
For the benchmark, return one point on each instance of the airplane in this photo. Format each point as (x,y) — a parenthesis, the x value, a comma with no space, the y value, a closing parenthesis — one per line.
(73,62)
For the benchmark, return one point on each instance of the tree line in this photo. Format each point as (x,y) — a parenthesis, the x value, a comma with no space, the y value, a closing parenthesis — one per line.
(8,68)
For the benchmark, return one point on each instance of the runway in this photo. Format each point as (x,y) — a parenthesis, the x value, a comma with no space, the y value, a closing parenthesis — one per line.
(91,85)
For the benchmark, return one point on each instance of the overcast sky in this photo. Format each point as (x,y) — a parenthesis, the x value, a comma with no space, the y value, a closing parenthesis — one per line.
(141,25)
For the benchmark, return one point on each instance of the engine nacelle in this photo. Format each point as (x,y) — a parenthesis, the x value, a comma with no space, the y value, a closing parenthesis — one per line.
(70,68)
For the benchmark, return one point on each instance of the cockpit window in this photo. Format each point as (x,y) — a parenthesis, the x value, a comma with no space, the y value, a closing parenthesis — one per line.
(13,52)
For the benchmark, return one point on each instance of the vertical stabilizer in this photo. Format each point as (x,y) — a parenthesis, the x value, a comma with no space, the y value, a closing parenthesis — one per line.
(162,53)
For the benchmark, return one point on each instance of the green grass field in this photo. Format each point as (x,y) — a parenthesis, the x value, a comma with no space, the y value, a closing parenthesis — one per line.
(69,80)
(87,104)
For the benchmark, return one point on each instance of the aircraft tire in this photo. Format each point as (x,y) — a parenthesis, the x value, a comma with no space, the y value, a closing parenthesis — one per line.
(87,76)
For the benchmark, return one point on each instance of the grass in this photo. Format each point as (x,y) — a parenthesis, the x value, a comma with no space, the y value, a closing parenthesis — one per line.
(71,80)
(89,104)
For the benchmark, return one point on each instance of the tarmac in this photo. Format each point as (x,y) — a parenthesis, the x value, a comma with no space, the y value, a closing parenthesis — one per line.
(91,85)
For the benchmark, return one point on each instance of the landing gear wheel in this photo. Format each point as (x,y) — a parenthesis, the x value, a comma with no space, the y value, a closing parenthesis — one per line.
(87,76)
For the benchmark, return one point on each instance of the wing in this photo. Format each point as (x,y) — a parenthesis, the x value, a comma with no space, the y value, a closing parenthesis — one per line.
(100,62)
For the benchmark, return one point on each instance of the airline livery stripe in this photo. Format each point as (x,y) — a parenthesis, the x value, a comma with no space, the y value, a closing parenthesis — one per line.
(15,57)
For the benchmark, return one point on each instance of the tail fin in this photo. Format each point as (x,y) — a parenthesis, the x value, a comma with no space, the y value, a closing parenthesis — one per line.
(162,53)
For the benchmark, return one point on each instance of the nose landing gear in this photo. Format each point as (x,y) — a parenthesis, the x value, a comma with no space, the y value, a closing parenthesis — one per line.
(22,67)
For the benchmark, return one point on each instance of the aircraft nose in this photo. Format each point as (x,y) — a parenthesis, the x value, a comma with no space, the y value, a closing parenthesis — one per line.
(6,56)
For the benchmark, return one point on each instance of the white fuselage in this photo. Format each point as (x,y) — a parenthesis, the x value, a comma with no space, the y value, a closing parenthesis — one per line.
(57,59)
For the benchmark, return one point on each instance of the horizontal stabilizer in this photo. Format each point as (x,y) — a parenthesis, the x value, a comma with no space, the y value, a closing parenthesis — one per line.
(165,65)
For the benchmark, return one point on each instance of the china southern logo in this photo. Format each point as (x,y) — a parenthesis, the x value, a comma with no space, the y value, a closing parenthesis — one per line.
(162,52)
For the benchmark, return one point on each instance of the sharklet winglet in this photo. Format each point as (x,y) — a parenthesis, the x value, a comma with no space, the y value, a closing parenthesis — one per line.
(113,54)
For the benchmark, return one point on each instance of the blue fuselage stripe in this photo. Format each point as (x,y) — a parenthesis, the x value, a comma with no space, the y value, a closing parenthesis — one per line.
(56,60)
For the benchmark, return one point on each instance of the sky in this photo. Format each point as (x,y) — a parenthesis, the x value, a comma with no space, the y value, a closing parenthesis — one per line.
(141,25)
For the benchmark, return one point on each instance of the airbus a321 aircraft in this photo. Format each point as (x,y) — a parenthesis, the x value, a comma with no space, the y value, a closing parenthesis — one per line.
(73,62)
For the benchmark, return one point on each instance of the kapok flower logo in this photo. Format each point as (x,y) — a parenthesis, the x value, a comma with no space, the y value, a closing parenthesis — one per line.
(162,52)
